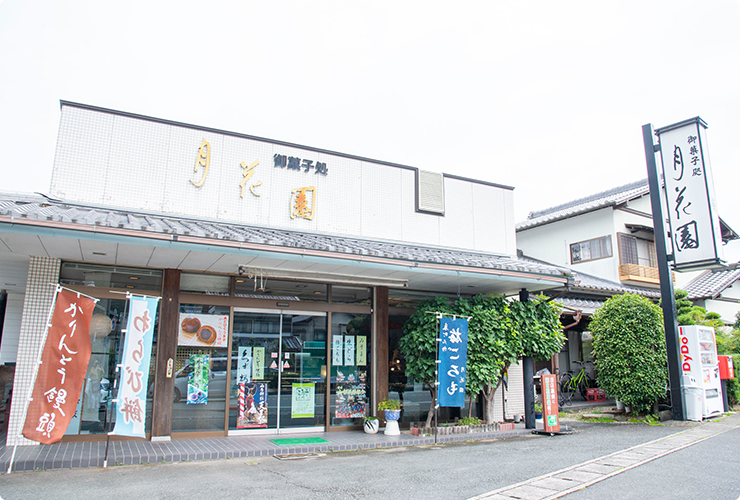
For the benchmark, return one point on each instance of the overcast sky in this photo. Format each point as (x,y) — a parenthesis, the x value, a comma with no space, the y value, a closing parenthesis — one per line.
(547,97)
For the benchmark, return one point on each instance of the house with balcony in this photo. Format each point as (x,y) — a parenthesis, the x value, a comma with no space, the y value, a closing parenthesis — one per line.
(607,242)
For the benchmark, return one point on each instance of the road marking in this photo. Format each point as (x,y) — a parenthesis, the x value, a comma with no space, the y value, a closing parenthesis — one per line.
(577,477)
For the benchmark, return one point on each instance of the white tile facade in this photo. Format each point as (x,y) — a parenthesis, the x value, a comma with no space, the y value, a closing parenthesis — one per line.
(43,274)
(134,162)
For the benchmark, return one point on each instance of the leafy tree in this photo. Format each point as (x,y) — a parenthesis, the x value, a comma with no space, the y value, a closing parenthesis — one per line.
(689,314)
(630,351)
(493,344)
(419,345)
(728,343)
(499,332)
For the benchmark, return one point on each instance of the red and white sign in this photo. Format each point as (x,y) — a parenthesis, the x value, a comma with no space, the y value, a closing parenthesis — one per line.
(550,403)
(62,371)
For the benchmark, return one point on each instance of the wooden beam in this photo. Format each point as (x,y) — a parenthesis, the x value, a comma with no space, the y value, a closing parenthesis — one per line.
(381,345)
(164,387)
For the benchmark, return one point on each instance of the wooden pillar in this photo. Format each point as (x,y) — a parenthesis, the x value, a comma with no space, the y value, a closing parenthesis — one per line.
(381,345)
(164,387)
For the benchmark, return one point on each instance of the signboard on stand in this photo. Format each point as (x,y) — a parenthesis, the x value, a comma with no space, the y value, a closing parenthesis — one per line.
(550,403)
(689,191)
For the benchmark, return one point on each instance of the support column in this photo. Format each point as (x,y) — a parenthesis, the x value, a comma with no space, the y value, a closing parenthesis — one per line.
(164,387)
(380,346)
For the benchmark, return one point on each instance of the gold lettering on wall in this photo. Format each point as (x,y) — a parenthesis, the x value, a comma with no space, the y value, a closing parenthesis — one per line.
(303,203)
(247,174)
(204,160)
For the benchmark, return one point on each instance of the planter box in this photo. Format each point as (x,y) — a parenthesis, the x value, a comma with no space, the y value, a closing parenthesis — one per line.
(418,430)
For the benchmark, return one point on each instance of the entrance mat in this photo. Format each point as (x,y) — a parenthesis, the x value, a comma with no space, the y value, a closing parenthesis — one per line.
(291,441)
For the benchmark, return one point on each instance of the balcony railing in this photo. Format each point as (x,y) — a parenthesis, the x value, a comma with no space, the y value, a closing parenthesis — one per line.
(643,274)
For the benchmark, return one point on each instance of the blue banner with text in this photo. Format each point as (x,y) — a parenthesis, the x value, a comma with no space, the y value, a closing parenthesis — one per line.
(453,360)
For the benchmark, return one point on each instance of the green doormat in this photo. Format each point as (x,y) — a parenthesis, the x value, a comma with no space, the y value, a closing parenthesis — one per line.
(290,441)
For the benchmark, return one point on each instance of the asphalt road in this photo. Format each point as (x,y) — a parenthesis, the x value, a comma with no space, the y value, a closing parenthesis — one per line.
(707,470)
(457,471)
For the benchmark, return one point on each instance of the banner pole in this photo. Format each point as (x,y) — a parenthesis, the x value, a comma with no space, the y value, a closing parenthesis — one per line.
(436,381)
(115,381)
(36,372)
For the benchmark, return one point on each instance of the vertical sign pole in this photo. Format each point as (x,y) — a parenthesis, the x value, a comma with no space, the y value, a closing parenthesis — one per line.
(528,369)
(436,380)
(666,283)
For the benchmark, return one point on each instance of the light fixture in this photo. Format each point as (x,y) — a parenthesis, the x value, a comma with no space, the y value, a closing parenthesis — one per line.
(345,279)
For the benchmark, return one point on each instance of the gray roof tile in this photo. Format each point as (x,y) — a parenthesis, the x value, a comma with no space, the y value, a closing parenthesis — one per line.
(608,198)
(711,283)
(41,208)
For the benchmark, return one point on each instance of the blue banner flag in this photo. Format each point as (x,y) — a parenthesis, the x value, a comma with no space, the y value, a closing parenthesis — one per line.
(453,365)
(137,351)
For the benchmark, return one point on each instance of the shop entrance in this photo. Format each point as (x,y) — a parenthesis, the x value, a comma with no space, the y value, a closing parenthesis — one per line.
(278,371)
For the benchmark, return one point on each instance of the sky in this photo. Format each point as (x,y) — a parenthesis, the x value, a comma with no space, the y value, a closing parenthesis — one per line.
(547,97)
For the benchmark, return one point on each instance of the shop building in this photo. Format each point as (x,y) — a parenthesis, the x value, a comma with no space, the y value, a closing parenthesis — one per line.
(302,261)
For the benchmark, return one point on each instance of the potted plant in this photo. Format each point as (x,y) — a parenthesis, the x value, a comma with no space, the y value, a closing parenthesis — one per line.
(392,408)
(372,424)
(537,410)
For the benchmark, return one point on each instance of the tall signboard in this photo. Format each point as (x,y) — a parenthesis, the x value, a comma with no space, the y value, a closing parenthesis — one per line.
(695,231)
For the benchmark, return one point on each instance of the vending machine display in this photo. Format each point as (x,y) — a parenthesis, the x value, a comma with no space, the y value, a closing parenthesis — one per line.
(699,362)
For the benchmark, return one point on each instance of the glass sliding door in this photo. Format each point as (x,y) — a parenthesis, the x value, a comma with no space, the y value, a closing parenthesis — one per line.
(278,373)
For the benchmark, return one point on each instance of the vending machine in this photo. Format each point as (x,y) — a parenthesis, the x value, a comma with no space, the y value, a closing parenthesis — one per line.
(699,363)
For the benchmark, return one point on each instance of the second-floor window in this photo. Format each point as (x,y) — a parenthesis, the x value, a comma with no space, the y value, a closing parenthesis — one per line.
(597,248)
(637,251)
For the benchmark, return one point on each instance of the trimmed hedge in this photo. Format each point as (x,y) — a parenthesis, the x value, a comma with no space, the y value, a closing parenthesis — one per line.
(630,351)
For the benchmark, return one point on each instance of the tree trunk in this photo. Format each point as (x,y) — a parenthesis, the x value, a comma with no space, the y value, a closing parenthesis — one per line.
(430,415)
(489,391)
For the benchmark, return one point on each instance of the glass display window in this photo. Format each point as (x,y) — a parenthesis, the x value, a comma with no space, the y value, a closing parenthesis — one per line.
(84,274)
(201,369)
(278,377)
(350,356)
(94,413)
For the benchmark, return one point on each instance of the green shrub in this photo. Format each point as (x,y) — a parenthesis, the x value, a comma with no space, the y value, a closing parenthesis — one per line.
(629,350)
(469,421)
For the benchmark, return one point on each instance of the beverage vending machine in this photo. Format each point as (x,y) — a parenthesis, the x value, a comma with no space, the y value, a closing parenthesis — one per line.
(699,363)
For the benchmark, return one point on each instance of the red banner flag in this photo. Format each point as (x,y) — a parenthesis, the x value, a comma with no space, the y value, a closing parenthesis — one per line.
(62,371)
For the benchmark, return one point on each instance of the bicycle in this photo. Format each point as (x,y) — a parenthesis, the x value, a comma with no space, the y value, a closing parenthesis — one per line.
(572,382)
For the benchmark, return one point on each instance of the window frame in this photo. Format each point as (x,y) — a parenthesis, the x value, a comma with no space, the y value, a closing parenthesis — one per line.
(607,238)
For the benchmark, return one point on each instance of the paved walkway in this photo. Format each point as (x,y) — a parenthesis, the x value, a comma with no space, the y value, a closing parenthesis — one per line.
(134,452)
(560,483)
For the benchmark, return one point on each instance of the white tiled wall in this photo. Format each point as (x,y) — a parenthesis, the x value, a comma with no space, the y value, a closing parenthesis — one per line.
(43,273)
(137,163)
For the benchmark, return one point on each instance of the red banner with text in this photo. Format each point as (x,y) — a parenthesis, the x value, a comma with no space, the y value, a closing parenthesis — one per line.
(62,371)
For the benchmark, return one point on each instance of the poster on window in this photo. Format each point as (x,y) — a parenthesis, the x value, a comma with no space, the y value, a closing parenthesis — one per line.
(198,379)
(351,400)
(349,350)
(258,363)
(361,350)
(302,401)
(337,350)
(203,330)
(244,365)
(252,406)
